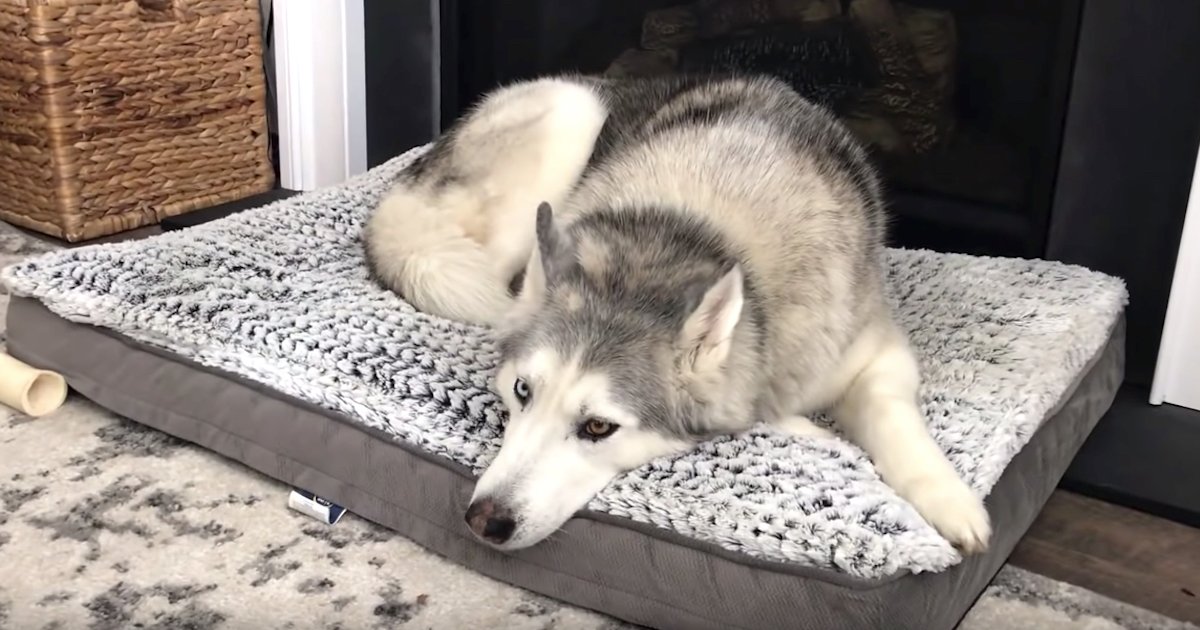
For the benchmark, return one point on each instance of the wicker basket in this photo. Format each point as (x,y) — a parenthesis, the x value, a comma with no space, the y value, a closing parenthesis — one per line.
(117,113)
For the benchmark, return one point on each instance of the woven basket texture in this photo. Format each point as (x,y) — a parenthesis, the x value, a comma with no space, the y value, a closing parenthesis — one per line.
(117,113)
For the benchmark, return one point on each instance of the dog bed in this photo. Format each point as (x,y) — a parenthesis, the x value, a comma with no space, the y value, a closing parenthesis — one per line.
(262,337)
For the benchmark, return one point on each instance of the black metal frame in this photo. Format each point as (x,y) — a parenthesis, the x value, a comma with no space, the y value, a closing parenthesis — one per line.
(1129,151)
(1064,52)
(404,65)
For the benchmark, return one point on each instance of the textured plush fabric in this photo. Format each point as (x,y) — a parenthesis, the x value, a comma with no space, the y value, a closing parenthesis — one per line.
(281,295)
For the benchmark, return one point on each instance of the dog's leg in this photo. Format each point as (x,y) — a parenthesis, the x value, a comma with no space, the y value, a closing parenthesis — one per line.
(879,412)
(801,426)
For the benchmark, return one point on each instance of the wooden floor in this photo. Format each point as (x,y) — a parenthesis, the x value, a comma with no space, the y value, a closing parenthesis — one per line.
(1127,555)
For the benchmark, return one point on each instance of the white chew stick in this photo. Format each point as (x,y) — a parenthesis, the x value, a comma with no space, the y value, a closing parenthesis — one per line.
(28,389)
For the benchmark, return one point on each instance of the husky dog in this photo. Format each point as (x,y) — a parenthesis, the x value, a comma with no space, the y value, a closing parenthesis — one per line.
(663,261)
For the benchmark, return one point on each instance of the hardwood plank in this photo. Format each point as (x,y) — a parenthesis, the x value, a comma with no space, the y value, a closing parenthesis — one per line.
(1127,555)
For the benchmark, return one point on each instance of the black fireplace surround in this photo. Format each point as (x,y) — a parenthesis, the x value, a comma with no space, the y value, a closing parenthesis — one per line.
(1057,129)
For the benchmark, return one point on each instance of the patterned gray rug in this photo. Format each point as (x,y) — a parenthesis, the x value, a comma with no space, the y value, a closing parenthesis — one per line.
(106,525)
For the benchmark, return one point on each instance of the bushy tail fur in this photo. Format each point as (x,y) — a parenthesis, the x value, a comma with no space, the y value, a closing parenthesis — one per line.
(429,260)
(459,225)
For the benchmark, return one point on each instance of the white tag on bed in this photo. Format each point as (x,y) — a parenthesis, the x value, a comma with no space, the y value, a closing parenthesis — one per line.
(308,503)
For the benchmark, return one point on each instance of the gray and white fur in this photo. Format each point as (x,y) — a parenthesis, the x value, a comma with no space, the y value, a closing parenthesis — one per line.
(664,261)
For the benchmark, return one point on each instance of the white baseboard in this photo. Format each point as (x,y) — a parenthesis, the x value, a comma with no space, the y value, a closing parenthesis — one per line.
(320,67)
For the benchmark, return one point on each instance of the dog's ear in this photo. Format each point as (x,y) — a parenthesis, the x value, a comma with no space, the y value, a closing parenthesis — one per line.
(548,256)
(706,336)
(551,243)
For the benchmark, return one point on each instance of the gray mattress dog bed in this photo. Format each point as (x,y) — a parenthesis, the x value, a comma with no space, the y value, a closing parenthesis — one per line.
(262,337)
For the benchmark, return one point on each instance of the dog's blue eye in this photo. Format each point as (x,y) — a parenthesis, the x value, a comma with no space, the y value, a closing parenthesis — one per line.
(522,391)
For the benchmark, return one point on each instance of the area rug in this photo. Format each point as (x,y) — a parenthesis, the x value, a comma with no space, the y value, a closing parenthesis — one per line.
(105,524)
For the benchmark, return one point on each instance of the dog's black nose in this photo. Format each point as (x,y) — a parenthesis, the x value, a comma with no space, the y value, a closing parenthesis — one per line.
(490,521)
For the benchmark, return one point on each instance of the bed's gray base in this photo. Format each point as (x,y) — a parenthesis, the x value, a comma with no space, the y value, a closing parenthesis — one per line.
(607,564)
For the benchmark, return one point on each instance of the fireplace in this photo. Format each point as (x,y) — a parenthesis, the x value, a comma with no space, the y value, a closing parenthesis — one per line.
(1057,129)
(1062,129)
(961,102)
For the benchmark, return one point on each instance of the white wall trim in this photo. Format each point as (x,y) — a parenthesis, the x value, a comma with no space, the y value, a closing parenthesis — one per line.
(320,68)
(1177,374)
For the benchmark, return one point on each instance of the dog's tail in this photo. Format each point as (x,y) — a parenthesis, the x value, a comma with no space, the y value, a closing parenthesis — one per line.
(417,249)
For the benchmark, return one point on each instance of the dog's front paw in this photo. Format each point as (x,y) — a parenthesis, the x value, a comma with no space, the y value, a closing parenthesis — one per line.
(954,511)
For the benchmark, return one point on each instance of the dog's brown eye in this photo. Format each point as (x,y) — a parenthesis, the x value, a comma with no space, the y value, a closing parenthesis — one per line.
(596,429)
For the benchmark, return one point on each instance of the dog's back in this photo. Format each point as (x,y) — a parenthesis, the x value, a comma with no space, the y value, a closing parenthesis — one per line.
(782,187)
(732,170)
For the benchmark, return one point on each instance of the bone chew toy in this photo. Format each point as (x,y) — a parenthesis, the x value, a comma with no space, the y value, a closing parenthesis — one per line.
(30,390)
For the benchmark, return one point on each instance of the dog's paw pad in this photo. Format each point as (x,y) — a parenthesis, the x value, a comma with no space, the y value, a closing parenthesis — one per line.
(955,512)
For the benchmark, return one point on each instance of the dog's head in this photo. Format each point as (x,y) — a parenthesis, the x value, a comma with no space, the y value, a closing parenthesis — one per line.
(604,367)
